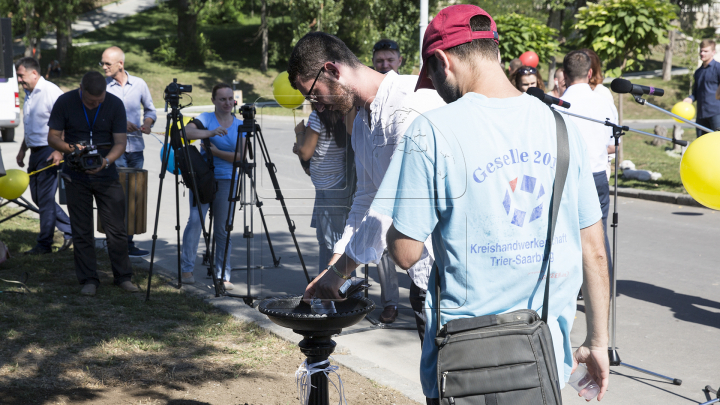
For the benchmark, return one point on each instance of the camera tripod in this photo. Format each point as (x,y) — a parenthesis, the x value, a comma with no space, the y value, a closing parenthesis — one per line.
(175,118)
(244,172)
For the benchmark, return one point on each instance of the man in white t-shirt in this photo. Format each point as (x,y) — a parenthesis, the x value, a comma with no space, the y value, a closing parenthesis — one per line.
(477,175)
(586,102)
(331,76)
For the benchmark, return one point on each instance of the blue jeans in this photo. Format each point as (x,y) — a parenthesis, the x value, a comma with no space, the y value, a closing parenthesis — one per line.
(709,122)
(134,160)
(193,230)
(42,190)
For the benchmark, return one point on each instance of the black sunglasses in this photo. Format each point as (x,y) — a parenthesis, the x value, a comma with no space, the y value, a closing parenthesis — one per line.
(528,71)
(310,97)
(386,44)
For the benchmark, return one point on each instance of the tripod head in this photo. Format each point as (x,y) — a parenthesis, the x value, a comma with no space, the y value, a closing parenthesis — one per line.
(172,94)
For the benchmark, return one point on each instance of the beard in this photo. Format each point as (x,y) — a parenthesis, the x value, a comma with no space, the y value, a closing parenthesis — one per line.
(448,91)
(343,97)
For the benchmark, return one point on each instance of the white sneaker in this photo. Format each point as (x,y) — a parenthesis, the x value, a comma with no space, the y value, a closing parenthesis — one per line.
(188,279)
(229,286)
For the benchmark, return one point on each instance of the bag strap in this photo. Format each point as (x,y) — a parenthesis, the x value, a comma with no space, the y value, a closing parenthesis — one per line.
(563,161)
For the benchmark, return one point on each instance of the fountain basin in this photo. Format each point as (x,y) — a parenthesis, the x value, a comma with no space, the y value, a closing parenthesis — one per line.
(292,312)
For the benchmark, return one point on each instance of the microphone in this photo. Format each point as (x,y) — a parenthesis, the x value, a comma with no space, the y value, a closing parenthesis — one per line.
(546,98)
(623,86)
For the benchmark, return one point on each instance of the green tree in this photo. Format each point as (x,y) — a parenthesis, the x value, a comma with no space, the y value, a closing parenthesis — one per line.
(519,33)
(621,32)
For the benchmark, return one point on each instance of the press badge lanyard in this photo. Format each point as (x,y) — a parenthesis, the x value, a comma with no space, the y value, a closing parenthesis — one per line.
(88,119)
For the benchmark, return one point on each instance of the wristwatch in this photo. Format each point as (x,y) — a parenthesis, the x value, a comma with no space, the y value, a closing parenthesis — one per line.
(107,163)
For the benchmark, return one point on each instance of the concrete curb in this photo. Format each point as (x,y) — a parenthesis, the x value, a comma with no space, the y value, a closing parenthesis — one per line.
(659,196)
(342,354)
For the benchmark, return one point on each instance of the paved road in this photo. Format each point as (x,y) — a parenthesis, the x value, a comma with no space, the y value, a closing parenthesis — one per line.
(668,308)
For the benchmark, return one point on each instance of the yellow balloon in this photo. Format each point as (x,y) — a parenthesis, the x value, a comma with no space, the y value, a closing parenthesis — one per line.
(700,168)
(683,109)
(284,94)
(185,120)
(13,184)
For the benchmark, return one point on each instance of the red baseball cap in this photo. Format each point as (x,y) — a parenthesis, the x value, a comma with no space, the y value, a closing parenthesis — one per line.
(450,28)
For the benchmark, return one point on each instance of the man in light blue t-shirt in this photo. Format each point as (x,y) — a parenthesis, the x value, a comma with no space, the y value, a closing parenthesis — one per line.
(477,175)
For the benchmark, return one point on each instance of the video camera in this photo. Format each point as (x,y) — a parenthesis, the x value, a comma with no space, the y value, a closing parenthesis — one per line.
(174,90)
(247,111)
(87,158)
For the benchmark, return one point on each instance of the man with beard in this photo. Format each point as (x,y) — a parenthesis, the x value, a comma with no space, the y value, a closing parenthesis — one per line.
(467,174)
(331,76)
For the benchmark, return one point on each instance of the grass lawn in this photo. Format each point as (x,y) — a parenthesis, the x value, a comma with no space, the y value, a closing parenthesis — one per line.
(639,149)
(57,346)
(138,35)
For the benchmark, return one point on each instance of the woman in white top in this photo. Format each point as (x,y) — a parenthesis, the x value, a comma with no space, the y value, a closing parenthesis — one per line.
(325,143)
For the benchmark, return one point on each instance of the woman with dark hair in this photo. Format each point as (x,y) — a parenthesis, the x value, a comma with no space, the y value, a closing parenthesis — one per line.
(526,77)
(221,128)
(325,143)
(597,77)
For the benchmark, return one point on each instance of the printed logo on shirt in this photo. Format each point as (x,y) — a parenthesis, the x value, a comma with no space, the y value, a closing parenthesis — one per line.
(518,212)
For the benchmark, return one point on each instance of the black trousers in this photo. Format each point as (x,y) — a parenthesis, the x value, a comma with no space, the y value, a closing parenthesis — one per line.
(110,200)
(43,187)
(417,302)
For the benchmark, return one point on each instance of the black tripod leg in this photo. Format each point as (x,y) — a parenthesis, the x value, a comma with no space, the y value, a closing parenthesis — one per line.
(278,195)
(177,225)
(163,168)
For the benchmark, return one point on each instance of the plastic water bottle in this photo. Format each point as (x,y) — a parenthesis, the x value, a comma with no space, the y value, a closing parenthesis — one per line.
(584,383)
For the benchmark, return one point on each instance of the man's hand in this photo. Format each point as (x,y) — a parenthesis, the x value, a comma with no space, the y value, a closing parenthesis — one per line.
(325,285)
(598,365)
(56,157)
(131,127)
(219,131)
(20,157)
(688,100)
(145,129)
(97,169)
(296,149)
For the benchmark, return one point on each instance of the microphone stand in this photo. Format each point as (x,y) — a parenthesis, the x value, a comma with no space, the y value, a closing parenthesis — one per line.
(619,131)
(642,101)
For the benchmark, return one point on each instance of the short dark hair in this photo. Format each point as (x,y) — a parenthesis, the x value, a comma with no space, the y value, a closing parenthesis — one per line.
(315,49)
(93,83)
(386,45)
(576,65)
(218,87)
(29,63)
(484,47)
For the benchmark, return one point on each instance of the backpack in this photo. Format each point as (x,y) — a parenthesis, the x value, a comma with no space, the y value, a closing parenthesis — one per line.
(203,168)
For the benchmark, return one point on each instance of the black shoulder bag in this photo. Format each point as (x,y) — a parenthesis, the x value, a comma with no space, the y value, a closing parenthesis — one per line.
(507,358)
(203,169)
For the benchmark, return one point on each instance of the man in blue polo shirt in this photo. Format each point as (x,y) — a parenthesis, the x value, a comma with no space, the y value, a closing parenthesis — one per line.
(477,175)
(705,87)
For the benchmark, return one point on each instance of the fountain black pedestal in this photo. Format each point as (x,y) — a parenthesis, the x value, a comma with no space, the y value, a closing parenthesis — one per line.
(317,330)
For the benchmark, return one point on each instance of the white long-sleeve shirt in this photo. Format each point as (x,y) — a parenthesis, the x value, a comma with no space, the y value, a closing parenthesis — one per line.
(374,140)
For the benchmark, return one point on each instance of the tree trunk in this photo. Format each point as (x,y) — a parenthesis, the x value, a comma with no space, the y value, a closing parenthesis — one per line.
(264,33)
(187,40)
(64,41)
(551,74)
(554,20)
(667,62)
(29,34)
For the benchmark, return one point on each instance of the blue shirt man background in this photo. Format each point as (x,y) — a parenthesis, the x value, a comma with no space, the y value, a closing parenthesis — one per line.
(705,87)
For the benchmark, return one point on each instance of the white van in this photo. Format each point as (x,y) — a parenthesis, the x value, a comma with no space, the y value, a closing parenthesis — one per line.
(9,107)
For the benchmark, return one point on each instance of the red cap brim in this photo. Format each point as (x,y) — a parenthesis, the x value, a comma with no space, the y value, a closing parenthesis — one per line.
(424,81)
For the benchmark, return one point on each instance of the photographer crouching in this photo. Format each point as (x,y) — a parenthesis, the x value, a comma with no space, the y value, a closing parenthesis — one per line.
(94,126)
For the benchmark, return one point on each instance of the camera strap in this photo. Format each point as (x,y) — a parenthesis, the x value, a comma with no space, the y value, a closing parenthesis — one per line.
(90,126)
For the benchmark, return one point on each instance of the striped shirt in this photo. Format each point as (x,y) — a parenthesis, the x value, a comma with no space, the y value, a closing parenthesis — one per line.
(327,165)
